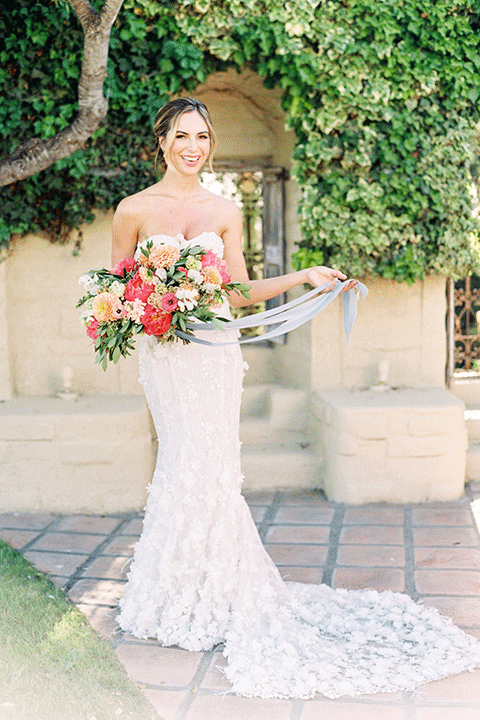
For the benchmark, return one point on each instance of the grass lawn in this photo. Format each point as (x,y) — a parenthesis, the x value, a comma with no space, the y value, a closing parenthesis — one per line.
(53,666)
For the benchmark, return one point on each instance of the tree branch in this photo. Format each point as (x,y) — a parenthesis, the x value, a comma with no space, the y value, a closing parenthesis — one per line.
(36,154)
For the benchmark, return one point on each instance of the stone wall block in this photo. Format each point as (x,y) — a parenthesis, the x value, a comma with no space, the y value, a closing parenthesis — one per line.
(26,427)
(410,446)
(369,426)
(401,467)
(88,453)
(347,444)
(424,425)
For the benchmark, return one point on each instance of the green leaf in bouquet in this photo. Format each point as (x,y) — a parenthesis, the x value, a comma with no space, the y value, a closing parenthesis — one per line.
(182,323)
(176,275)
(116,354)
(242,288)
(219,322)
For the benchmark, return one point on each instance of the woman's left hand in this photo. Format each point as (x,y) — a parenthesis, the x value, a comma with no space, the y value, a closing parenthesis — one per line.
(320,275)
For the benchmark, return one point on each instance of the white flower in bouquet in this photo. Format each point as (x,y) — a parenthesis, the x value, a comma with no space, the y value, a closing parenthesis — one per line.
(195,276)
(117,288)
(187,298)
(89,282)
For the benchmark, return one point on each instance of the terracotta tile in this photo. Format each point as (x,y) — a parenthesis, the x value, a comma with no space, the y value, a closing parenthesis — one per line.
(448,537)
(297,554)
(453,557)
(442,516)
(312,498)
(121,545)
(102,619)
(108,567)
(89,524)
(97,592)
(463,688)
(443,712)
(298,534)
(474,632)
(213,707)
(68,542)
(18,538)
(294,573)
(376,578)
(372,535)
(375,515)
(337,710)
(214,678)
(304,515)
(375,555)
(134,527)
(165,702)
(447,582)
(58,580)
(462,610)
(63,564)
(157,665)
(259,497)
(26,521)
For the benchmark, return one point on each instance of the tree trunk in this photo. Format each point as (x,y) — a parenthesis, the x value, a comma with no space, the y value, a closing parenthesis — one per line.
(36,154)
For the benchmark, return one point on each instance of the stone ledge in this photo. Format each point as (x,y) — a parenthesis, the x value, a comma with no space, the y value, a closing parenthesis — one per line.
(405,445)
(93,454)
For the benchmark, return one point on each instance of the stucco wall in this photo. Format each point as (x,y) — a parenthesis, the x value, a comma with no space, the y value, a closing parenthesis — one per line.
(401,325)
(44,331)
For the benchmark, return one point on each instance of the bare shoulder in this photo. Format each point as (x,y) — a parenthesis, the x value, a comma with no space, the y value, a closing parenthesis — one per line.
(131,206)
(229,212)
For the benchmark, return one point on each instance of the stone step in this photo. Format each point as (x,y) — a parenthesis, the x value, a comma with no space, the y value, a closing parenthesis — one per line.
(472,419)
(472,469)
(273,467)
(468,390)
(282,408)
(257,431)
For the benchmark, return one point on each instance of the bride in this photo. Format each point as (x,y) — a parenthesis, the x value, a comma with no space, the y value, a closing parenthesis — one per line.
(200,576)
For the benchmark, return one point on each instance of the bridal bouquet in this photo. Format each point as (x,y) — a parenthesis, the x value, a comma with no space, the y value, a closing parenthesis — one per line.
(162,289)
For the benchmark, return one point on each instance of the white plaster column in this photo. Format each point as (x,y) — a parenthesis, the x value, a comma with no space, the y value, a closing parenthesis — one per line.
(5,375)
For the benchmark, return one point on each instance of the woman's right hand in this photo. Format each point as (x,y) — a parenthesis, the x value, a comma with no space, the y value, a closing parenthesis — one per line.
(320,275)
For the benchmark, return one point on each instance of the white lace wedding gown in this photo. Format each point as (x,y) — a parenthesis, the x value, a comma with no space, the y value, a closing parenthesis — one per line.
(200,575)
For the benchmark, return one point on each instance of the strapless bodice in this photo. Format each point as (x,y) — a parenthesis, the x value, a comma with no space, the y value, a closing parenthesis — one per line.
(209,241)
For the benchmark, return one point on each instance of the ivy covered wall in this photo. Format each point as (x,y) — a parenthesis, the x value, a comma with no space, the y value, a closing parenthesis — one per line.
(383,98)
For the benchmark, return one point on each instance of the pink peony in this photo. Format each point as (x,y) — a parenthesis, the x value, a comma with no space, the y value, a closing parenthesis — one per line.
(92,329)
(137,289)
(107,307)
(155,321)
(124,266)
(169,302)
(212,260)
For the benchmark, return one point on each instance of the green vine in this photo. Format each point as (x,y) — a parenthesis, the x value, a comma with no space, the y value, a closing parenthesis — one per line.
(383,98)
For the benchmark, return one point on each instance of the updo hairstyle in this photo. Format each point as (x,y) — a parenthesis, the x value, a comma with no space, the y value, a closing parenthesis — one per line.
(168,117)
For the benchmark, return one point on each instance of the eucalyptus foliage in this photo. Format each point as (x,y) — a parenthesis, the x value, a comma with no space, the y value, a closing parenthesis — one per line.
(383,98)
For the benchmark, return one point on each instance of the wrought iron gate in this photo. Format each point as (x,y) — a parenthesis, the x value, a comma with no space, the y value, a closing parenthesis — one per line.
(463,327)
(260,192)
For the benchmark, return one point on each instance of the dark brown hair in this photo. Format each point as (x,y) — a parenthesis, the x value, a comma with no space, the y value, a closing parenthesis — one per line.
(168,117)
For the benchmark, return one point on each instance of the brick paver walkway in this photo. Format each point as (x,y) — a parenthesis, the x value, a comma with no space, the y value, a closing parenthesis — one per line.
(430,551)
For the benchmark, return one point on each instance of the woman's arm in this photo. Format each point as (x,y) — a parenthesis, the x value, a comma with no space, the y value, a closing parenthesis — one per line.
(125,227)
(268,287)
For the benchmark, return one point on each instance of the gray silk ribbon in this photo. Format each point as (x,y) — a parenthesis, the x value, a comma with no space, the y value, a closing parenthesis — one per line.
(289,316)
